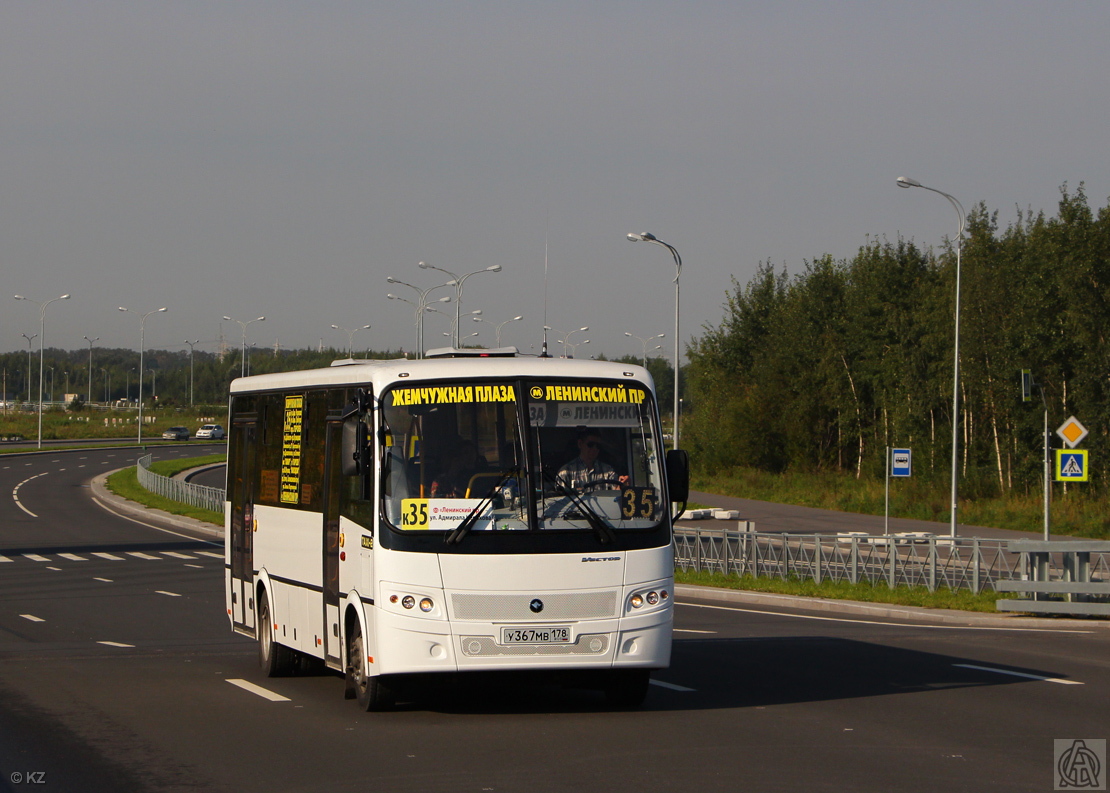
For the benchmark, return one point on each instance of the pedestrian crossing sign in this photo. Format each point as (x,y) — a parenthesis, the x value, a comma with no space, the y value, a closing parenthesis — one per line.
(1071,465)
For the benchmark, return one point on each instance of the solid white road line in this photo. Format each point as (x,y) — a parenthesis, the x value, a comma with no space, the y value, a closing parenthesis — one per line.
(163,592)
(246,685)
(671,686)
(908,626)
(116,644)
(1059,680)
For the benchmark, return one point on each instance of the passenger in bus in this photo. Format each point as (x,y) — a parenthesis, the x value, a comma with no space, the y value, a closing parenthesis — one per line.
(586,471)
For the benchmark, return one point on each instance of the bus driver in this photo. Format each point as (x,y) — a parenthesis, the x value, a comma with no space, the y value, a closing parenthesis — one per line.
(586,472)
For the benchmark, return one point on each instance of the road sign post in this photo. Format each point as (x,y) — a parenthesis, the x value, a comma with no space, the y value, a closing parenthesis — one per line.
(898,463)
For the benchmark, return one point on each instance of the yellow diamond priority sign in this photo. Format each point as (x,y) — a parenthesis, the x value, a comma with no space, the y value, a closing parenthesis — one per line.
(1072,432)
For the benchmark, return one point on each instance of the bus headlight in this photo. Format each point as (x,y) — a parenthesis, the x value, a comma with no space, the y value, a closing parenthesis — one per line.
(636,600)
(426,605)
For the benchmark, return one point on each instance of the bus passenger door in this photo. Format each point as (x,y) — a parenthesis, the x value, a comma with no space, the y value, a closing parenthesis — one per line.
(244,436)
(333,481)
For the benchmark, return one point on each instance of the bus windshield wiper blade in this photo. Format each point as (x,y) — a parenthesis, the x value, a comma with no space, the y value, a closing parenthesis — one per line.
(457,534)
(603,530)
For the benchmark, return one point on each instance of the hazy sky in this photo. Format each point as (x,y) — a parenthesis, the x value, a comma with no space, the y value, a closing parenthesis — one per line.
(281,158)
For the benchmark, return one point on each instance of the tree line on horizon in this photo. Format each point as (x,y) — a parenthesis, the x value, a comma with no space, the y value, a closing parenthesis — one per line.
(115,373)
(825,369)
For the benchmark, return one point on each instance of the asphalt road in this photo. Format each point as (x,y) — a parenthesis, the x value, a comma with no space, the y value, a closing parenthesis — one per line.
(118,671)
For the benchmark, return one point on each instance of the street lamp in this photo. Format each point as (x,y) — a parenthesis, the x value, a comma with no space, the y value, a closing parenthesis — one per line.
(41,334)
(142,344)
(29,370)
(902,181)
(644,341)
(457,282)
(646,237)
(191,343)
(88,396)
(420,305)
(351,338)
(573,347)
(498,326)
(565,335)
(243,325)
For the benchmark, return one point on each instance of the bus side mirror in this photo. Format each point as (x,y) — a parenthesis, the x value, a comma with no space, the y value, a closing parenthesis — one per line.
(355,453)
(678,475)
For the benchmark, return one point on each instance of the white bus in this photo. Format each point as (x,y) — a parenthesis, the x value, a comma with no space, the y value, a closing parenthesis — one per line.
(456,514)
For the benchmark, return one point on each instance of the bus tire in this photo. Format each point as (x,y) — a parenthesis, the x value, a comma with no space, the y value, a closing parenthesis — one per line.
(627,688)
(371,691)
(275,659)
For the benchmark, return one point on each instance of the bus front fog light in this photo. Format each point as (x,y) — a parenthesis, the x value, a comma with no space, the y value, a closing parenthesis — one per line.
(408,601)
(426,605)
(637,601)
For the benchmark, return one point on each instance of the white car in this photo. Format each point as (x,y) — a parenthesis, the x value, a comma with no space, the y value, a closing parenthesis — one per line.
(211,431)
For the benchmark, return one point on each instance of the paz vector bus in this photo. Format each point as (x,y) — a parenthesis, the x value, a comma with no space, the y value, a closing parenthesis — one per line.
(473,511)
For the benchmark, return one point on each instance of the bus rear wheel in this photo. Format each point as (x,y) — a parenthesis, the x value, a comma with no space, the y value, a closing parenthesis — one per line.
(275,659)
(371,691)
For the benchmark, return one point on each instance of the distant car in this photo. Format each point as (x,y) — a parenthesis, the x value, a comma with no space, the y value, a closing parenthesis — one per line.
(176,434)
(211,431)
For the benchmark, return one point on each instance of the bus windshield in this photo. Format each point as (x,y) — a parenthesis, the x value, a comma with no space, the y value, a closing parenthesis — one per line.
(575,455)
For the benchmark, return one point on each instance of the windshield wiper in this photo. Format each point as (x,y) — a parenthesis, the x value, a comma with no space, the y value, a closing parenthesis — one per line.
(603,530)
(457,534)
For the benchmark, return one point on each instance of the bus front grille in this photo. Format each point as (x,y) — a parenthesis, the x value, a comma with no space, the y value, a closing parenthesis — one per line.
(556,606)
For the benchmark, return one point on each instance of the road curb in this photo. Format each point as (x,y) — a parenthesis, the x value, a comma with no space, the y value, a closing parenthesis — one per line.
(100,490)
(887,611)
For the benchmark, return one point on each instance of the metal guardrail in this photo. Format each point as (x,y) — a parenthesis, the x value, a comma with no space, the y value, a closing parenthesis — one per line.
(1065,577)
(932,562)
(178,489)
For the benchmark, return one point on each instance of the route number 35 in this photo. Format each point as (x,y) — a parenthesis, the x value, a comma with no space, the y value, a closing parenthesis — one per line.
(639,502)
(414,513)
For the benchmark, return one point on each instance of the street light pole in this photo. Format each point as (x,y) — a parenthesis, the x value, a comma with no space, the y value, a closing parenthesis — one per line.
(351,338)
(29,370)
(243,325)
(646,237)
(644,341)
(41,334)
(142,344)
(907,183)
(420,306)
(457,282)
(191,343)
(498,326)
(88,396)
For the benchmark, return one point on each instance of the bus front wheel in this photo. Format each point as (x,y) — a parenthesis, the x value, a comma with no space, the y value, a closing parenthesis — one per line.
(371,691)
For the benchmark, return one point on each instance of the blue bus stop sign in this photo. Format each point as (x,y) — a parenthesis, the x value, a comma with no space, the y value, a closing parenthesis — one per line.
(900,462)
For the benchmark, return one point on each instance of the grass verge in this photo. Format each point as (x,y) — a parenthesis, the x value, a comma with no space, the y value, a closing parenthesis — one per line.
(125,484)
(1075,512)
(962,600)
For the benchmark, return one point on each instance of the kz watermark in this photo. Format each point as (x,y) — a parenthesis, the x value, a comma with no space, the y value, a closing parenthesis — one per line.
(1079,763)
(28,777)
